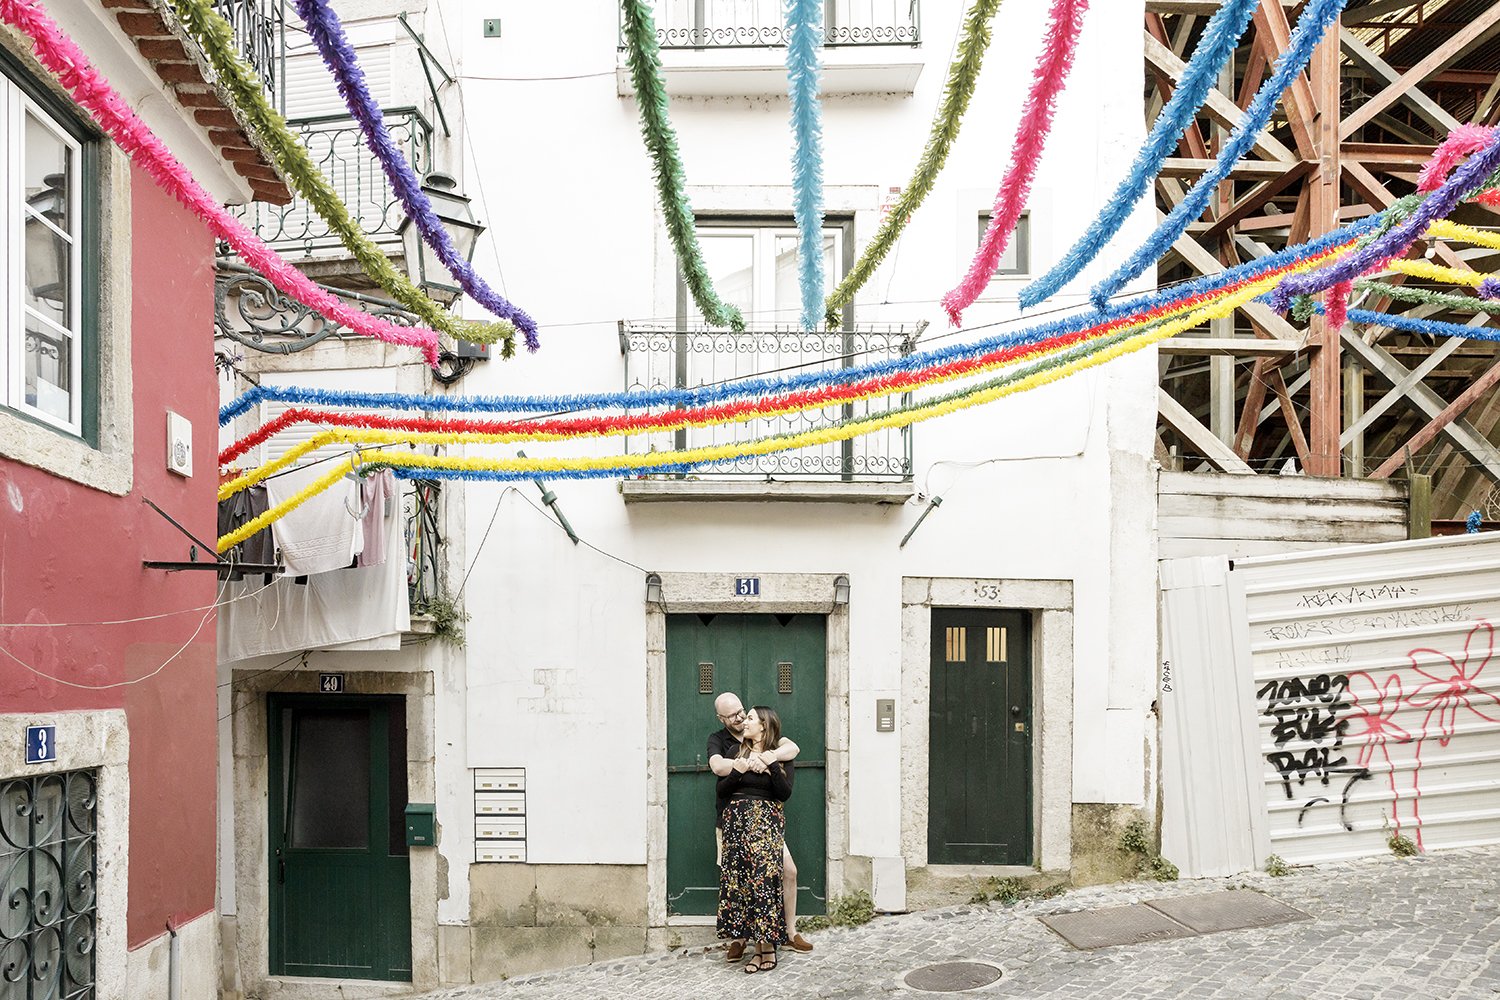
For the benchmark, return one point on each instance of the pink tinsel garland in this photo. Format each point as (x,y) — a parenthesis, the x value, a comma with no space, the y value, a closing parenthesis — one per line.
(1460,142)
(55,50)
(1336,304)
(1031,137)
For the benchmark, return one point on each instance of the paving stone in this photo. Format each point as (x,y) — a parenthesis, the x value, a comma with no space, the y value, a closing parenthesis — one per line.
(1382,927)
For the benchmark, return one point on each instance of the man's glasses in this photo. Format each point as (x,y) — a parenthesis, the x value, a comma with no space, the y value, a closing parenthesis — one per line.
(734,716)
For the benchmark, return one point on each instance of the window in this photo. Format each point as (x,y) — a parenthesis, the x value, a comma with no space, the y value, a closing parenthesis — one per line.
(45,294)
(47,874)
(1017,256)
(755,268)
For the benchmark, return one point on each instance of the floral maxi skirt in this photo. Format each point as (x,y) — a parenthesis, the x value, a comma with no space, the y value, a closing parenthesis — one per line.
(750,900)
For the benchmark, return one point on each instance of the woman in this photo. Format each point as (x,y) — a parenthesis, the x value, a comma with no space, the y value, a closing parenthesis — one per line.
(750,890)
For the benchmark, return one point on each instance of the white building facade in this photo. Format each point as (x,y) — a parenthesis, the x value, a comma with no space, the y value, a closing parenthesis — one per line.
(957,623)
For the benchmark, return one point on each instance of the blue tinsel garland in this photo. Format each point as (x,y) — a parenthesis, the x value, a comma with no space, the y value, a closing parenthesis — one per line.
(804,30)
(1311,26)
(1214,49)
(708,395)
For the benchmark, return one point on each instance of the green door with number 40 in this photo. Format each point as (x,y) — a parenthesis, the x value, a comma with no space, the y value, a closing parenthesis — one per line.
(775,660)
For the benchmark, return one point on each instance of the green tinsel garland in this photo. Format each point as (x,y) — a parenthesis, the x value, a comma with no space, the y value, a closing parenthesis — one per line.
(963,74)
(215,36)
(644,56)
(1426,296)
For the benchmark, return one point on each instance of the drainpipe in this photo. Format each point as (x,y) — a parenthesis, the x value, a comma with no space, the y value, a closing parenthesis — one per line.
(174,965)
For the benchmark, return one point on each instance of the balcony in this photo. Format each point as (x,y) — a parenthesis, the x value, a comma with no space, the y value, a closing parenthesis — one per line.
(728,48)
(875,468)
(338,148)
(260,31)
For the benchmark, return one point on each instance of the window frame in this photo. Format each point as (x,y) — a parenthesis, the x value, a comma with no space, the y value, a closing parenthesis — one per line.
(1021,240)
(20,93)
(750,224)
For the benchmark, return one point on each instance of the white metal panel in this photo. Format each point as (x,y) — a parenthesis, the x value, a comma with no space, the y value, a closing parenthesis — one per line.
(1213,813)
(1378,706)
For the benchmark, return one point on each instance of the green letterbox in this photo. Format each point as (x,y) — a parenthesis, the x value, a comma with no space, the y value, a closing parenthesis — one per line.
(421,824)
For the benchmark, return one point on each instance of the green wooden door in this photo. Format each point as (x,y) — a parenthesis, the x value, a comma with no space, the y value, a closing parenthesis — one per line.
(340,879)
(979,742)
(775,660)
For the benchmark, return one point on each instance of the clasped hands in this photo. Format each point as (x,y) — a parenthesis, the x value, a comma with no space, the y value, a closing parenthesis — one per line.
(756,762)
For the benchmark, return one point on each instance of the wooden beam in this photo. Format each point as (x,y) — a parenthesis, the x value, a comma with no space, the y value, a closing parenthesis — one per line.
(1369,186)
(1380,7)
(1182,166)
(1255,398)
(1384,155)
(1243,347)
(1366,59)
(1301,109)
(1289,414)
(1443,418)
(1256,198)
(1399,389)
(1325,396)
(1476,31)
(1219,454)
(1196,6)
(1217,106)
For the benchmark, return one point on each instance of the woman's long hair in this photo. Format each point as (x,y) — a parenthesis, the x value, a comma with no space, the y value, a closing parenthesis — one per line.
(770,730)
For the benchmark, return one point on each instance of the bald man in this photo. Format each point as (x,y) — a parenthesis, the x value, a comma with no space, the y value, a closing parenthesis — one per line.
(723,748)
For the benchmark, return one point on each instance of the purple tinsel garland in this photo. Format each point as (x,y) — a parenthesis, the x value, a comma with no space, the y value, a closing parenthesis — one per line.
(327,33)
(1394,243)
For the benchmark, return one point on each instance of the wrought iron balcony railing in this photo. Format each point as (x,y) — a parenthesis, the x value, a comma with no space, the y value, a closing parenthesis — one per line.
(338,148)
(742,24)
(660,357)
(260,30)
(251,311)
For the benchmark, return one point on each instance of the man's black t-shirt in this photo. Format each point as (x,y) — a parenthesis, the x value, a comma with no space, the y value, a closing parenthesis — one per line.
(727,745)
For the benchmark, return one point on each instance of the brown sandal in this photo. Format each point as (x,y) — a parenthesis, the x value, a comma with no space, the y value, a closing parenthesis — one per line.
(735,951)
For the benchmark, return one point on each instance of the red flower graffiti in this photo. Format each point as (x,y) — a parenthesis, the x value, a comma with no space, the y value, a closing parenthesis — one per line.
(1377,715)
(1444,696)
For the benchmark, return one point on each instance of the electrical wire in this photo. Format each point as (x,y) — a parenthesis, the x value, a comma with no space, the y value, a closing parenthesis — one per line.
(131,621)
(134,680)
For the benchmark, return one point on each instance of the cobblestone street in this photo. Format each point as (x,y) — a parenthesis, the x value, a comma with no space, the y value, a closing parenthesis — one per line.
(1424,927)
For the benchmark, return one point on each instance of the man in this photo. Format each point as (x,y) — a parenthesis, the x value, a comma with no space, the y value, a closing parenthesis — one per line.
(723,749)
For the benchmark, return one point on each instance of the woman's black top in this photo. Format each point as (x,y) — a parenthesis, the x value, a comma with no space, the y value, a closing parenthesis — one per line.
(775,784)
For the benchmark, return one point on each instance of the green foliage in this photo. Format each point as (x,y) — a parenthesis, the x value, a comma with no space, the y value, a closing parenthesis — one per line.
(448,619)
(1159,868)
(962,75)
(214,35)
(1276,867)
(1136,840)
(644,57)
(853,910)
(1009,891)
(1401,847)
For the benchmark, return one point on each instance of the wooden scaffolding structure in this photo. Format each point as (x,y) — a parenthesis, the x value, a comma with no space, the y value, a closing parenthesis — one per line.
(1260,390)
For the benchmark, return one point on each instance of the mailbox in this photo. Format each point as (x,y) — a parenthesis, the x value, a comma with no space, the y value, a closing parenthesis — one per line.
(421,824)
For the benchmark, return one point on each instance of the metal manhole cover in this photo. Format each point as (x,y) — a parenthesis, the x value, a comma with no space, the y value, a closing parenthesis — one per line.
(952,977)
(1232,910)
(1114,925)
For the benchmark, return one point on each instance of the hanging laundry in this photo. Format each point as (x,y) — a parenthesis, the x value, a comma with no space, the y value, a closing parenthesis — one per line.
(325,533)
(240,509)
(378,493)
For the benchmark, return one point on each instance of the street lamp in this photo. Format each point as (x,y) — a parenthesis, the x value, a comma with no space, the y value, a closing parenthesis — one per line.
(48,256)
(453,211)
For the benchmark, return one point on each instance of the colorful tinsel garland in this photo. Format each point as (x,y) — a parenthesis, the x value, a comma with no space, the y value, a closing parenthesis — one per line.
(1426,296)
(1215,48)
(804,41)
(327,33)
(706,395)
(216,38)
(644,57)
(56,51)
(963,74)
(1395,242)
(1417,324)
(1457,144)
(1050,370)
(1064,25)
(1317,17)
